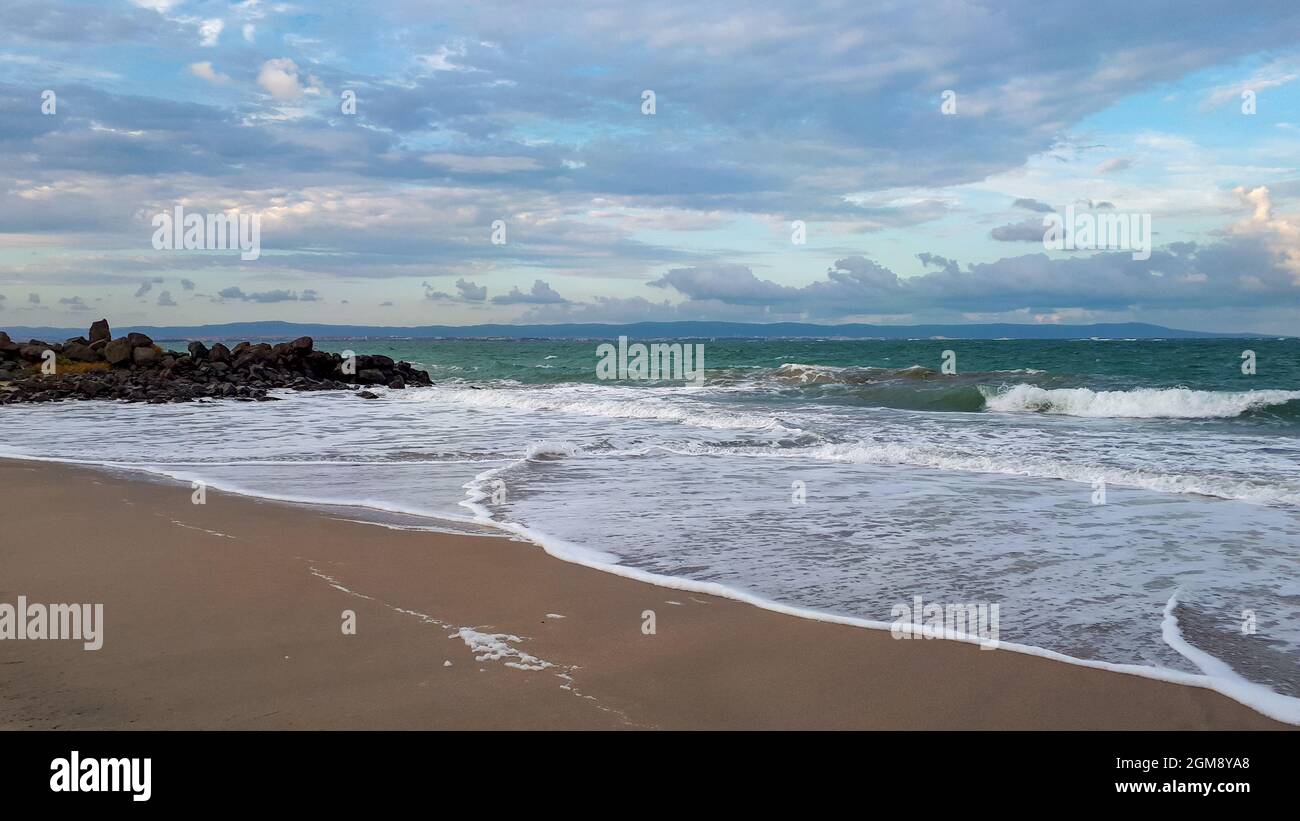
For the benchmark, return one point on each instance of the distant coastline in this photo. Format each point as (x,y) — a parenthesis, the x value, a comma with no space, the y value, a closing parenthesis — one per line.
(275,330)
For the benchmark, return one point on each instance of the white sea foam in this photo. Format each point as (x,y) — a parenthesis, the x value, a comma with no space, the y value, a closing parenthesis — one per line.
(548,449)
(940,458)
(360,500)
(484,646)
(808,374)
(822,374)
(1140,403)
(498,646)
(1226,680)
(1216,676)
(589,401)
(1223,487)
(818,374)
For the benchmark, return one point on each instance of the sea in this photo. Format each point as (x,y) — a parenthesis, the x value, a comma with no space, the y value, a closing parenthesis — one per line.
(1127,504)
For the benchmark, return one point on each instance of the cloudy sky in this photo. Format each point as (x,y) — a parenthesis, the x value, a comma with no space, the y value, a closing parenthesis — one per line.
(765,114)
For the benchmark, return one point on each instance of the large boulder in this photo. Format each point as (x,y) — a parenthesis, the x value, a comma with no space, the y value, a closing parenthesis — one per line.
(144,356)
(34,351)
(139,340)
(219,353)
(250,355)
(302,345)
(7,345)
(198,350)
(99,330)
(81,353)
(118,351)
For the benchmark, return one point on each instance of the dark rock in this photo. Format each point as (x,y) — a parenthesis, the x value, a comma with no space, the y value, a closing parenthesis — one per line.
(100,331)
(118,351)
(34,351)
(81,353)
(243,374)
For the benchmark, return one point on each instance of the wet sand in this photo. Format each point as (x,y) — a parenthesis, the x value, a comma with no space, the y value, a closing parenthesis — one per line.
(230,615)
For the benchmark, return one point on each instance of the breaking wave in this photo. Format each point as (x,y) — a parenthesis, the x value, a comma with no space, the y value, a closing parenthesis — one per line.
(1140,403)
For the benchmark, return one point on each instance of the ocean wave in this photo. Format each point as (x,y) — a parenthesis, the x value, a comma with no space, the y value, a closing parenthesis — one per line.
(1140,403)
(1218,486)
(549,450)
(587,403)
(846,375)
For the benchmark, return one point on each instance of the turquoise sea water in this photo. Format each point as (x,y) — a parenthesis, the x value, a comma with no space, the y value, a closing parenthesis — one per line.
(982,366)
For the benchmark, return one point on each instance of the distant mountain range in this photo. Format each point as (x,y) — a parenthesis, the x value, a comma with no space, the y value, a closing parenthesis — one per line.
(639,330)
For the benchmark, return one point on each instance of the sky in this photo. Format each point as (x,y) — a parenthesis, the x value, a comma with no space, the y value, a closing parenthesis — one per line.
(412,163)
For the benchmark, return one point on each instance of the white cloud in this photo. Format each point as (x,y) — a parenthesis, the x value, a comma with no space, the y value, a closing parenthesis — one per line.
(280,79)
(1114,164)
(1277,73)
(160,6)
(1280,232)
(466,163)
(204,70)
(441,60)
(210,31)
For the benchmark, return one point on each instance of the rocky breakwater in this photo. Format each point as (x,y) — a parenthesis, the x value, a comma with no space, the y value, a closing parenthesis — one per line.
(132,368)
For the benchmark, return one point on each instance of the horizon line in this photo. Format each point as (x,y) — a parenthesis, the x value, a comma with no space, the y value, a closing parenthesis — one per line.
(1042,330)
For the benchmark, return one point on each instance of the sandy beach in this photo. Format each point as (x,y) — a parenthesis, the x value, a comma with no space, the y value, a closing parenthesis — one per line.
(228,615)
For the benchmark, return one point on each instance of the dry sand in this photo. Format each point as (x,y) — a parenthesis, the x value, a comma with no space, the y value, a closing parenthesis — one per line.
(224,616)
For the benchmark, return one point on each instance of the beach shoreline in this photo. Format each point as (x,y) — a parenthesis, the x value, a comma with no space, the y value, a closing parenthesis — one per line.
(232,615)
